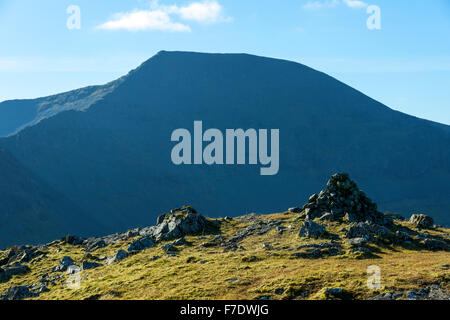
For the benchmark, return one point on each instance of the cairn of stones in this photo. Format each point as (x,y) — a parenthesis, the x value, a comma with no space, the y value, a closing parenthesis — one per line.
(342,199)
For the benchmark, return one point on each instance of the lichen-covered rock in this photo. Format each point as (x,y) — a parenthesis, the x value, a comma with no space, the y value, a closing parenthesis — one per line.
(178,223)
(87,265)
(359,230)
(141,244)
(311,229)
(119,256)
(342,198)
(18,293)
(434,244)
(422,221)
(357,242)
(64,263)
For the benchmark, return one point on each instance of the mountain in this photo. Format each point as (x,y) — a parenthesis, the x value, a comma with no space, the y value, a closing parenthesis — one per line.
(18,114)
(114,158)
(31,211)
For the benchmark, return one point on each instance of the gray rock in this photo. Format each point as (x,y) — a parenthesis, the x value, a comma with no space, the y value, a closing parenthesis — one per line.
(73,269)
(359,230)
(179,223)
(169,248)
(310,229)
(64,263)
(327,216)
(86,265)
(119,256)
(141,244)
(422,221)
(18,293)
(337,293)
(434,244)
(180,242)
(295,210)
(357,242)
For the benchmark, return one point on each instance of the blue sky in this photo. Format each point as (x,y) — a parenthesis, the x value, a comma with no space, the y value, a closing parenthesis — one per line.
(405,64)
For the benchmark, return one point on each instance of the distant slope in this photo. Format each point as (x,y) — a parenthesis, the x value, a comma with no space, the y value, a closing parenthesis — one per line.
(31,212)
(18,114)
(113,160)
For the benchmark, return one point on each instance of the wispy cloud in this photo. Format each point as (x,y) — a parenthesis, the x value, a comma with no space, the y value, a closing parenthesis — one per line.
(356,4)
(325,4)
(317,5)
(144,20)
(162,17)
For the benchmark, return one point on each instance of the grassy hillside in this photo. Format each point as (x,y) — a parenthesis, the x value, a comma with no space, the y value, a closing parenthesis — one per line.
(265,267)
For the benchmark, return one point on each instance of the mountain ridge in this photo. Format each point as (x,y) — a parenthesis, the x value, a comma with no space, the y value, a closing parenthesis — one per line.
(119,168)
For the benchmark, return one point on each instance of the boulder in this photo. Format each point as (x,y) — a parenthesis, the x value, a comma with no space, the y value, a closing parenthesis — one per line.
(359,230)
(18,293)
(141,244)
(87,265)
(422,221)
(64,263)
(435,245)
(178,223)
(169,248)
(311,229)
(357,242)
(119,256)
(73,269)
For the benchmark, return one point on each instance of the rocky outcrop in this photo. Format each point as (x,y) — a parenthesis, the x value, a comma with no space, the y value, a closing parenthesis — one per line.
(310,229)
(422,221)
(119,256)
(9,271)
(64,263)
(342,198)
(179,223)
(141,244)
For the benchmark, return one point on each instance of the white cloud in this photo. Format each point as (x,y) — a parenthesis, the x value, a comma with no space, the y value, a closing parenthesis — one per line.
(203,12)
(161,17)
(317,5)
(144,20)
(324,4)
(355,4)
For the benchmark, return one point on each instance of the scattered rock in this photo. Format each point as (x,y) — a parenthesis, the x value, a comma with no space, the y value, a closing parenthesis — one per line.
(169,248)
(181,242)
(422,221)
(337,294)
(141,244)
(266,246)
(359,230)
(310,229)
(257,228)
(86,265)
(18,293)
(73,240)
(64,263)
(435,245)
(119,256)
(357,242)
(73,269)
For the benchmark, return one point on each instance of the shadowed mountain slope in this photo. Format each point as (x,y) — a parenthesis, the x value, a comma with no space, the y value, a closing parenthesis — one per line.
(16,115)
(114,161)
(31,212)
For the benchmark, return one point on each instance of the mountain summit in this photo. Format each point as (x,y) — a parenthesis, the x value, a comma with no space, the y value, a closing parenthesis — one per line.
(113,159)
